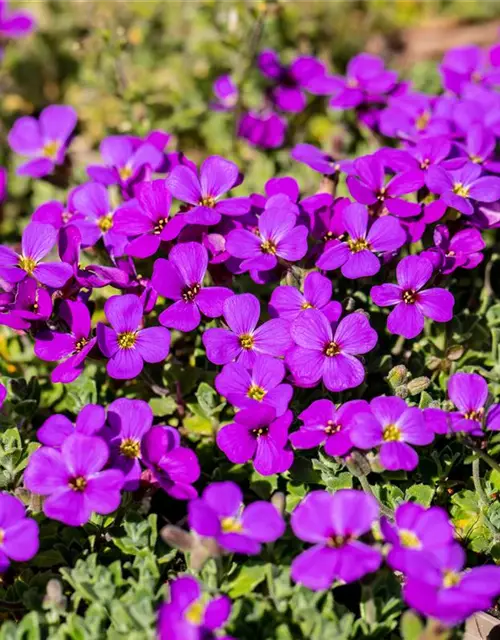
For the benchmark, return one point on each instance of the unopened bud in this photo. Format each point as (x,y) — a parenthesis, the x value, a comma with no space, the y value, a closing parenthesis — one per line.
(417,385)
(402,391)
(455,352)
(397,375)
(278,500)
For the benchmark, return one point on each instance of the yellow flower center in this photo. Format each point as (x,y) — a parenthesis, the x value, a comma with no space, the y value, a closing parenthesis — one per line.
(306,305)
(80,344)
(461,190)
(392,433)
(50,149)
(246,341)
(332,428)
(208,201)
(78,484)
(125,172)
(27,264)
(360,244)
(66,216)
(231,525)
(190,293)
(331,349)
(130,448)
(408,539)
(409,296)
(422,121)
(335,542)
(127,339)
(194,614)
(2,536)
(159,226)
(475,159)
(474,415)
(260,431)
(451,579)
(425,164)
(329,235)
(256,393)
(381,194)
(105,223)
(352,83)
(269,247)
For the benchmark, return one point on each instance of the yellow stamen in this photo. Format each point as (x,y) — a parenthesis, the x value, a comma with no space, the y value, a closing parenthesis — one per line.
(190,293)
(392,433)
(208,201)
(246,341)
(409,296)
(461,190)
(127,339)
(409,540)
(256,393)
(331,349)
(451,579)
(269,247)
(231,525)
(27,264)
(78,484)
(360,244)
(130,448)
(125,172)
(105,223)
(50,149)
(195,613)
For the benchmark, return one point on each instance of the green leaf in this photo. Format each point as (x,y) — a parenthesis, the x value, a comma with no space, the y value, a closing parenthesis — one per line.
(411,626)
(248,578)
(164,406)
(420,493)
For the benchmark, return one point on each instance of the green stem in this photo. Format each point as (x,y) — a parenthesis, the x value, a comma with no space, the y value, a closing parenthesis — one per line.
(482,454)
(367,488)
(476,478)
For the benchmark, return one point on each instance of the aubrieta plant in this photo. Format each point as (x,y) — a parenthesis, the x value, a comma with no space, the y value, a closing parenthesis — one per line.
(296,387)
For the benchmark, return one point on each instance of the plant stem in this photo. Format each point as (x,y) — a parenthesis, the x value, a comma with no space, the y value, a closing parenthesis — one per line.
(476,478)
(367,488)
(482,454)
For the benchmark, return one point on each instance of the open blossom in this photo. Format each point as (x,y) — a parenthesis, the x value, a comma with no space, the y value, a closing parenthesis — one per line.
(125,343)
(461,188)
(437,585)
(256,434)
(220,514)
(37,241)
(242,341)
(279,237)
(321,352)
(226,93)
(203,192)
(327,425)
(18,534)
(89,422)
(189,616)
(469,393)
(393,426)
(318,160)
(14,23)
(356,255)
(412,304)
(264,129)
(180,278)
(72,347)
(467,64)
(261,383)
(334,524)
(479,147)
(3,394)
(416,532)
(74,480)
(44,140)
(174,468)
(288,302)
(32,303)
(463,249)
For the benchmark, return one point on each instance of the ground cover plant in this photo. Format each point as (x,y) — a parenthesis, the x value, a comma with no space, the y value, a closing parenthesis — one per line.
(249,388)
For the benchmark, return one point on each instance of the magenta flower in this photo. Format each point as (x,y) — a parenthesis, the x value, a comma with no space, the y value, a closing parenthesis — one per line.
(256,434)
(3,394)
(392,426)
(220,514)
(188,615)
(333,524)
(278,238)
(469,393)
(327,223)
(264,129)
(226,93)
(124,161)
(438,587)
(459,189)
(71,347)
(246,388)
(203,192)
(323,353)
(73,479)
(44,140)
(180,278)
(14,23)
(479,148)
(356,255)
(463,249)
(242,341)
(318,160)
(174,468)
(37,241)
(367,186)
(416,532)
(18,534)
(89,422)
(288,303)
(467,64)
(326,425)
(125,343)
(32,303)
(129,421)
(411,304)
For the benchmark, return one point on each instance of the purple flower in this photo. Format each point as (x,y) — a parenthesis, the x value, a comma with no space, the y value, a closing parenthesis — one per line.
(174,468)
(89,422)
(3,394)
(478,148)
(37,241)
(14,24)
(437,586)
(74,480)
(288,303)
(124,161)
(416,532)
(459,189)
(278,237)
(266,129)
(326,217)
(56,213)
(188,616)
(324,424)
(463,249)
(333,524)
(318,160)
(421,155)
(18,534)
(242,341)
(71,347)
(413,115)
(411,305)
(129,421)
(469,393)
(125,343)
(462,65)
(32,303)
(43,140)
(356,255)
(256,434)
(392,426)
(260,384)
(226,93)
(368,187)
(220,514)
(324,353)
(217,176)
(180,278)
